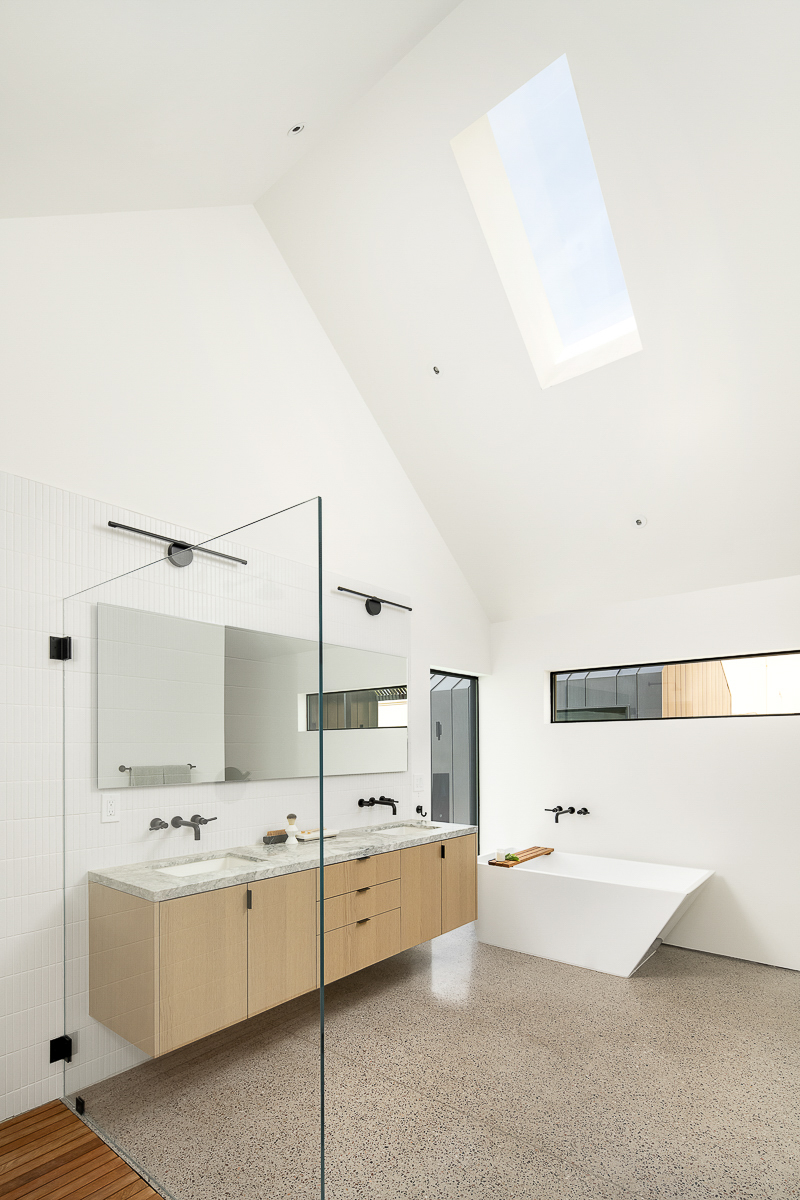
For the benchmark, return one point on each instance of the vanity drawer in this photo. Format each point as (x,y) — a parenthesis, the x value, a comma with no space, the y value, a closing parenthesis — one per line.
(361,944)
(361,872)
(369,901)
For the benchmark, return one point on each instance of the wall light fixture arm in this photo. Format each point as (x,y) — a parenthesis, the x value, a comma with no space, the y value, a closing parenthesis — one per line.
(373,605)
(181,545)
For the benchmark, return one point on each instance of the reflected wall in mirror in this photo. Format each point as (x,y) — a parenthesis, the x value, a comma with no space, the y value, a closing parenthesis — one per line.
(160,699)
(182,701)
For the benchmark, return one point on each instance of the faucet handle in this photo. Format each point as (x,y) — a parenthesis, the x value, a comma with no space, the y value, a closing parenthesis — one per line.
(202,820)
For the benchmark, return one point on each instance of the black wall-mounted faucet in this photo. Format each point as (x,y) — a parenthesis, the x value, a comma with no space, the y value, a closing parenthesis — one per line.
(562,812)
(194,824)
(381,800)
(157,823)
(558,810)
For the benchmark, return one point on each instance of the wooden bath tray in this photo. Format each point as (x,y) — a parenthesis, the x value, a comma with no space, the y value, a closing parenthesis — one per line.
(523,856)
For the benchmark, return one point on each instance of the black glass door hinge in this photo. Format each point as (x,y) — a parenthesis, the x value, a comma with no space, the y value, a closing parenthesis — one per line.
(61,1047)
(80,1105)
(61,648)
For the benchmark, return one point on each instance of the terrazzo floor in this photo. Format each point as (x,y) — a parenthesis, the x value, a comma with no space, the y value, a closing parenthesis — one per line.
(461,1070)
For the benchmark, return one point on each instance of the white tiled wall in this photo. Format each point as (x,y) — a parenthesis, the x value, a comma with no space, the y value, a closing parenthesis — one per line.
(55,544)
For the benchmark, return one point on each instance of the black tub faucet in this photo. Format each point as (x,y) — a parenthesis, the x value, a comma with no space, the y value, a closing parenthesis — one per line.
(562,812)
(558,810)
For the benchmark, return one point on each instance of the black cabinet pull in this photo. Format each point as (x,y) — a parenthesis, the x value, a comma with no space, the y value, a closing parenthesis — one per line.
(363,920)
(442,849)
(366,889)
(364,858)
(249,898)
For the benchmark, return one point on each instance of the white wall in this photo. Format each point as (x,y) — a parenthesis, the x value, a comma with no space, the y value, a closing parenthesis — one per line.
(717,793)
(166,364)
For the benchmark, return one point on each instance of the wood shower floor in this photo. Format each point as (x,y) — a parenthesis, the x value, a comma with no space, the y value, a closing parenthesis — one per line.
(49,1154)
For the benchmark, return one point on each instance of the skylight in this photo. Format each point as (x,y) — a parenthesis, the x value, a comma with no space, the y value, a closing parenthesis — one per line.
(529,170)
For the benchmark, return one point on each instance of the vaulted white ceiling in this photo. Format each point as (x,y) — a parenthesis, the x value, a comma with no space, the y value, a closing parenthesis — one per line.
(691,112)
(114,105)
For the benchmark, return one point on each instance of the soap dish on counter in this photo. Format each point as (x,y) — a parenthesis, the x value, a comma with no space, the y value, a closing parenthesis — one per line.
(312,835)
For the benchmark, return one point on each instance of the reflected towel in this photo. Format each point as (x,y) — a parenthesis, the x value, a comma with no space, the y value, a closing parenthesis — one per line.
(181,773)
(146,776)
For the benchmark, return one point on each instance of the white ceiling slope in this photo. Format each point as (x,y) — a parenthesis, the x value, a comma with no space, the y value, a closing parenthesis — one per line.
(691,111)
(114,105)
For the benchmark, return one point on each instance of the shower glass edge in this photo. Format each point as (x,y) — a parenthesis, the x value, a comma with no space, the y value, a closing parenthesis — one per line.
(234,1105)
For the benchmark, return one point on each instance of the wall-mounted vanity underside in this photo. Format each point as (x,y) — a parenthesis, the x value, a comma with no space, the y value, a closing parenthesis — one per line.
(164,972)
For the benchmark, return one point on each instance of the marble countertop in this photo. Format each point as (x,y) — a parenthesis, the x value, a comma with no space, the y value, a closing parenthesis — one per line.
(144,879)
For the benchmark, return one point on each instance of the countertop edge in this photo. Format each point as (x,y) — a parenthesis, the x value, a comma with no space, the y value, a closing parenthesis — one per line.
(270,869)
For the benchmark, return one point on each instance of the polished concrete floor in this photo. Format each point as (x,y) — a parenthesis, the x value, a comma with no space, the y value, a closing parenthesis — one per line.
(462,1070)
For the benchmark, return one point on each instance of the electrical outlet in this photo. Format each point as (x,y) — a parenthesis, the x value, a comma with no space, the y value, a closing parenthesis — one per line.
(419,784)
(110,806)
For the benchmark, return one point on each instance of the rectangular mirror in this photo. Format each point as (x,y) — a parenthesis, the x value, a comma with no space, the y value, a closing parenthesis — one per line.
(182,701)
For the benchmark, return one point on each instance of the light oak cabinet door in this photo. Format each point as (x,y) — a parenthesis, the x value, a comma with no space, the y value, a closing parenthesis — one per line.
(420,894)
(282,940)
(203,964)
(356,946)
(459,881)
(123,965)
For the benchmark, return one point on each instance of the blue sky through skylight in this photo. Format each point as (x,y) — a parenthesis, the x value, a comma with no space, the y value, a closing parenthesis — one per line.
(542,142)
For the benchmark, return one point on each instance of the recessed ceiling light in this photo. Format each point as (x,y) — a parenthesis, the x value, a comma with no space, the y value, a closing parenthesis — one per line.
(293,132)
(640,521)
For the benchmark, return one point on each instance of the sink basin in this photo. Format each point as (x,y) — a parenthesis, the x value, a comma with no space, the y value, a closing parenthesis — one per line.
(228,864)
(410,825)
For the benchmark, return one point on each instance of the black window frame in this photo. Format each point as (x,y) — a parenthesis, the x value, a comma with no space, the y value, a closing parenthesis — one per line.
(666,662)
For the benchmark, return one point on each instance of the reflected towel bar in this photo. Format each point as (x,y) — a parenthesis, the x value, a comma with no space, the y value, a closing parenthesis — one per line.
(182,545)
(191,767)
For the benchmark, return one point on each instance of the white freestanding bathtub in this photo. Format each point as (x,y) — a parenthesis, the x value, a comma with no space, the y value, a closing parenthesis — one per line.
(606,914)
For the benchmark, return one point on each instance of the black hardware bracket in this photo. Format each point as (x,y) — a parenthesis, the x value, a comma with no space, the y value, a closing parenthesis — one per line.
(60,648)
(61,1047)
(80,1105)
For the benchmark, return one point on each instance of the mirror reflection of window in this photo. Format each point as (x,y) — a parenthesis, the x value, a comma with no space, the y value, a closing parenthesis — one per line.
(368,708)
(392,714)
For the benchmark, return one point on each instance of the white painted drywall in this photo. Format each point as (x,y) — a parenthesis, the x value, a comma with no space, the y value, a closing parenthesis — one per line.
(690,109)
(167,365)
(717,793)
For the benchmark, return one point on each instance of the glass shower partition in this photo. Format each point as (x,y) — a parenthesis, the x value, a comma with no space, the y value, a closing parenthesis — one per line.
(190,959)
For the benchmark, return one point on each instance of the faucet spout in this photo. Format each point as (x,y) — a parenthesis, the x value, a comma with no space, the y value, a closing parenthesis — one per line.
(561,812)
(177,822)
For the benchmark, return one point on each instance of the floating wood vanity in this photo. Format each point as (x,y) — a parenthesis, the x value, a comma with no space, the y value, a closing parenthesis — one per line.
(165,972)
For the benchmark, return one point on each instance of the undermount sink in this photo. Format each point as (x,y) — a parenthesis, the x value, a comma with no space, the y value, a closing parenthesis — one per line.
(210,866)
(411,825)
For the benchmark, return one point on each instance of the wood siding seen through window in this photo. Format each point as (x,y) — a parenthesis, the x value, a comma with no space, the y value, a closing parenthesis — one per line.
(695,689)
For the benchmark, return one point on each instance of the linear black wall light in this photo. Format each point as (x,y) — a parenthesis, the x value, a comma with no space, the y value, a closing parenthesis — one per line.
(373,605)
(179,553)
